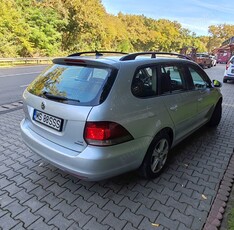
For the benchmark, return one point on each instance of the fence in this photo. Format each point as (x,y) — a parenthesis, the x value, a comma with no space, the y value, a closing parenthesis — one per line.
(18,61)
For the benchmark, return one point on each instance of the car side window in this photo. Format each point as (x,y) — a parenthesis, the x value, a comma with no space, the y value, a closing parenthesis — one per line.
(144,82)
(198,80)
(172,79)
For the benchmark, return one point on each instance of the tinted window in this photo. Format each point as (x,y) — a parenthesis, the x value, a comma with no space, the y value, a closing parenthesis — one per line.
(200,81)
(144,82)
(172,78)
(71,84)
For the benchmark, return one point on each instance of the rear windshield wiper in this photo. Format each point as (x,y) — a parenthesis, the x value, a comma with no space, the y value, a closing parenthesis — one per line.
(58,97)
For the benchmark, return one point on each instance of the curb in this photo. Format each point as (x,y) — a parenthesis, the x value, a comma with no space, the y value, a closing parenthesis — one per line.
(10,107)
(214,219)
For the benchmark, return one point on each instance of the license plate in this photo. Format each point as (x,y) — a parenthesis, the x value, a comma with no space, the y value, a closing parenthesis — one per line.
(48,120)
(232,71)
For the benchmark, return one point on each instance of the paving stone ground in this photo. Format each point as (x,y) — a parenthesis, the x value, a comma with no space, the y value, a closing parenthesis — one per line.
(37,195)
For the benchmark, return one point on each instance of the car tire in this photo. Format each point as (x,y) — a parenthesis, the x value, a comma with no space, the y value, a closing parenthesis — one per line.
(156,156)
(216,116)
(224,80)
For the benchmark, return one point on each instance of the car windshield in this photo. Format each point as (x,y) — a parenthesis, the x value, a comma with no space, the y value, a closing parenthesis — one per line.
(71,84)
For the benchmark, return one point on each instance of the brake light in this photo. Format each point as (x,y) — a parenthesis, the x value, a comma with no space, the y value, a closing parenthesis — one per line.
(105,133)
(228,64)
(69,60)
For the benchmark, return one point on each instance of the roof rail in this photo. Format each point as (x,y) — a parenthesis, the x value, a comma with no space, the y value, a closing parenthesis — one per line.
(97,53)
(132,56)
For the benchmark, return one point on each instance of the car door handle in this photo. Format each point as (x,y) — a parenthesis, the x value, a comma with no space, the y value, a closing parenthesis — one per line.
(200,99)
(174,108)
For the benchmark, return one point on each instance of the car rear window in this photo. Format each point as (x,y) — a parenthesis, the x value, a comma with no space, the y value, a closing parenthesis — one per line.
(81,85)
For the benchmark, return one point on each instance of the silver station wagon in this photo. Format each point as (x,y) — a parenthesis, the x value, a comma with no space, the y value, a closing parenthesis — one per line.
(97,114)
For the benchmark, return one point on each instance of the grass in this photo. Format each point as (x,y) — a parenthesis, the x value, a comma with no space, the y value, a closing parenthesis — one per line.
(231,218)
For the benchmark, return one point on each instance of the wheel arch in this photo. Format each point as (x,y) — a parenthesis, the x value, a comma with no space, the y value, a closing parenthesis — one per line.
(170,133)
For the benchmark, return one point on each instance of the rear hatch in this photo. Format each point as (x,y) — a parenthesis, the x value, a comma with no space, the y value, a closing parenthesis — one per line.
(58,102)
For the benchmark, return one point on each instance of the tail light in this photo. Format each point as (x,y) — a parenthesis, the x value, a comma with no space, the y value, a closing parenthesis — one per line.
(228,64)
(105,133)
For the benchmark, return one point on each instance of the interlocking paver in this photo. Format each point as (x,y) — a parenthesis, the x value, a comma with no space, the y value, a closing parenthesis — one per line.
(97,212)
(159,196)
(61,222)
(114,222)
(93,224)
(86,194)
(96,198)
(115,209)
(67,195)
(126,202)
(34,204)
(39,192)
(12,188)
(4,182)
(166,222)
(3,167)
(22,196)
(46,212)
(39,224)
(51,199)
(27,217)
(144,211)
(148,202)
(189,201)
(29,185)
(19,226)
(80,217)
(81,204)
(116,198)
(177,215)
(129,216)
(7,222)
(19,179)
(148,225)
(166,210)
(67,209)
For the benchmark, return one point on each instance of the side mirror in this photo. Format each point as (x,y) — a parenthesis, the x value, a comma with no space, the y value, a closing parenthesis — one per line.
(216,83)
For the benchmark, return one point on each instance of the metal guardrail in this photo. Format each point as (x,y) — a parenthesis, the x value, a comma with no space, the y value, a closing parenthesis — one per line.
(4,61)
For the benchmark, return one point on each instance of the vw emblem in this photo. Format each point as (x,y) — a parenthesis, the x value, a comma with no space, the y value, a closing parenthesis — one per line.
(43,105)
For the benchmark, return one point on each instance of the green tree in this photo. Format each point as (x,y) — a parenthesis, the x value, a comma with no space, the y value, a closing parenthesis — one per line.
(13,31)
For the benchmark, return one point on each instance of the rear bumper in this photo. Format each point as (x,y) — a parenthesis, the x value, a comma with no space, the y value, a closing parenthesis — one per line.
(229,77)
(93,163)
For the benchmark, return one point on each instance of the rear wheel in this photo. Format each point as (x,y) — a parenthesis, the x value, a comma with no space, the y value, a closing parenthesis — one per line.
(224,80)
(216,116)
(156,156)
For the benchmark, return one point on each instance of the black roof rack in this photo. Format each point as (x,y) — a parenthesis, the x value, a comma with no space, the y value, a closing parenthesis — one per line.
(97,53)
(153,55)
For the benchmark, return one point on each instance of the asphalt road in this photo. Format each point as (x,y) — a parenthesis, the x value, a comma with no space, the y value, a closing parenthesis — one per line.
(14,80)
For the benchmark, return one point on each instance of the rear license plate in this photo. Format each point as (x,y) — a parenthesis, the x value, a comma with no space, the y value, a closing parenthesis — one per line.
(48,120)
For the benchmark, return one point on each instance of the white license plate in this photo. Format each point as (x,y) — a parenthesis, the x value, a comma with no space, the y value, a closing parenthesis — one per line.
(48,120)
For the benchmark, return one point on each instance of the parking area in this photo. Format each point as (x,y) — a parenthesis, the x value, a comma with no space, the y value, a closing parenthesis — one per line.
(36,195)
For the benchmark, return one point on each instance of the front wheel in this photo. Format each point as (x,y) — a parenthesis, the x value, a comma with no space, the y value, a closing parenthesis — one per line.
(156,156)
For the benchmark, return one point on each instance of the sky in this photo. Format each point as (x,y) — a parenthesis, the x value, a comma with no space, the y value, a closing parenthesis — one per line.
(195,15)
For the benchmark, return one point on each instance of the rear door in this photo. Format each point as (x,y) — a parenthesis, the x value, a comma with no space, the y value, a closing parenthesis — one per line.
(179,100)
